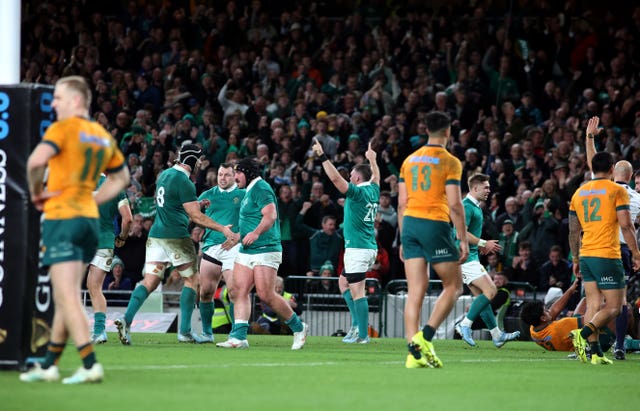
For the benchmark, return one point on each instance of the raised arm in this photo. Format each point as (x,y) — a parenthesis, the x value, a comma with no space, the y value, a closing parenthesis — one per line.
(334,175)
(590,145)
(557,307)
(370,154)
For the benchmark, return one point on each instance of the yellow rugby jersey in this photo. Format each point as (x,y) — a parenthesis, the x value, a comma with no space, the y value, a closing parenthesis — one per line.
(595,204)
(84,150)
(425,174)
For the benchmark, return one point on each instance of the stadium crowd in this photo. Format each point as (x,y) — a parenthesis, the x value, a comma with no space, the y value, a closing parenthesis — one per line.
(264,78)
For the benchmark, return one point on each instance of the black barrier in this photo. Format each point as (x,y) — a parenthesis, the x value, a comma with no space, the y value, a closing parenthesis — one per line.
(25,112)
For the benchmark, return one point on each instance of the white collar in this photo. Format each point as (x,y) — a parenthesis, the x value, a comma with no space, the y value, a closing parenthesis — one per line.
(228,190)
(180,168)
(473,200)
(253,183)
(366,183)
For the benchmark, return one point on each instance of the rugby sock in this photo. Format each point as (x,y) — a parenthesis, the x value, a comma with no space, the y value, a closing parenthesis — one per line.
(137,299)
(428,332)
(596,349)
(622,321)
(294,323)
(587,330)
(489,319)
(477,306)
(352,308)
(362,311)
(240,328)
(187,301)
(99,320)
(87,355)
(206,314)
(52,356)
(231,311)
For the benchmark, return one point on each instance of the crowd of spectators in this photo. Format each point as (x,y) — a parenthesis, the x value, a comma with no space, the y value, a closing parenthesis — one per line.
(263,78)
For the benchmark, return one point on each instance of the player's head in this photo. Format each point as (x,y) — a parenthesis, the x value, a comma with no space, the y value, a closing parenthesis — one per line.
(601,162)
(532,313)
(247,170)
(361,173)
(622,171)
(71,97)
(479,186)
(438,124)
(189,155)
(226,176)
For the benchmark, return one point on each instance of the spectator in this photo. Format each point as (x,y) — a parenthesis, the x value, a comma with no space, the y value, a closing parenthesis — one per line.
(556,272)
(523,265)
(324,244)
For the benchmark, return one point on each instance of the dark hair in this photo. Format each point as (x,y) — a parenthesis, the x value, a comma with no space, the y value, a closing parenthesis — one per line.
(437,122)
(601,162)
(525,245)
(364,170)
(531,312)
(477,179)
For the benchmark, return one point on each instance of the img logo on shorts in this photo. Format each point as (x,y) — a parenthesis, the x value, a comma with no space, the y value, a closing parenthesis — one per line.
(607,279)
(441,252)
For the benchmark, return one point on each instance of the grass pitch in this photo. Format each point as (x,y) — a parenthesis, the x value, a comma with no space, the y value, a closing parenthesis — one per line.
(157,373)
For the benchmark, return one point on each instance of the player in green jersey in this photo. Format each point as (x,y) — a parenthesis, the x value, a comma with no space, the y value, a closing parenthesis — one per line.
(474,274)
(101,263)
(362,193)
(170,243)
(259,257)
(222,204)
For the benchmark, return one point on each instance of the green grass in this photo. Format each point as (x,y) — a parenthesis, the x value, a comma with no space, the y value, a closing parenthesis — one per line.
(157,373)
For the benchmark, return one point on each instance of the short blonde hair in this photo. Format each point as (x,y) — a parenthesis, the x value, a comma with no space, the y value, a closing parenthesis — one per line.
(79,85)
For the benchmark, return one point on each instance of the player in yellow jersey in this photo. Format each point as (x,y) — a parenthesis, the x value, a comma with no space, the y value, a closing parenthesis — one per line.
(428,197)
(599,209)
(76,152)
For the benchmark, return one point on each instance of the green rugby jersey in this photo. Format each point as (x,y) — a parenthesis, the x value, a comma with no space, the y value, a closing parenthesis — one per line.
(224,210)
(473,219)
(173,189)
(360,209)
(259,194)
(108,212)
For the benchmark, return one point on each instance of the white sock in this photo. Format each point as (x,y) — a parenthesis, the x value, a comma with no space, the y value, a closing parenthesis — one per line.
(466,322)
(496,333)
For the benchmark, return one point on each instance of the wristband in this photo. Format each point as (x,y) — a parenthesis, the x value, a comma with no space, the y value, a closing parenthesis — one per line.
(482,243)
(324,158)
(590,135)
(121,239)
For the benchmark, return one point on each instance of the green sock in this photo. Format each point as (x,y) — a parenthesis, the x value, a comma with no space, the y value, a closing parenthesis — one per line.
(99,320)
(362,311)
(489,317)
(479,303)
(294,323)
(231,311)
(206,314)
(240,329)
(54,351)
(87,355)
(187,301)
(352,308)
(137,299)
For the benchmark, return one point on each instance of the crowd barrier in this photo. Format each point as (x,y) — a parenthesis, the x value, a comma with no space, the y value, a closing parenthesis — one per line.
(327,313)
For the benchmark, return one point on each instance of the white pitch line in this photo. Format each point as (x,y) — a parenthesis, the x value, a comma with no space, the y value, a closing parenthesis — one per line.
(303,364)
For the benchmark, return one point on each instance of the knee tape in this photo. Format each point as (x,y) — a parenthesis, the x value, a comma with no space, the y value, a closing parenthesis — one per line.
(187,272)
(355,277)
(155,269)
